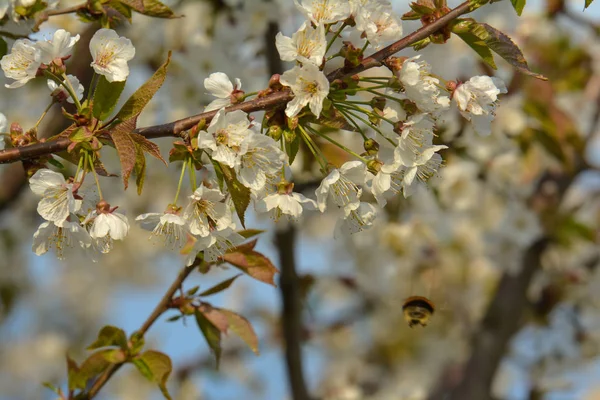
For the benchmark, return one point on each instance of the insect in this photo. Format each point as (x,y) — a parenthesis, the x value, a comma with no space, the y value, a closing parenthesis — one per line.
(417,310)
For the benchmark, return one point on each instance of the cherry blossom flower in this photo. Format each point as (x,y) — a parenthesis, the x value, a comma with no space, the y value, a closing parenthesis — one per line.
(224,138)
(420,87)
(476,100)
(285,203)
(107,226)
(215,245)
(62,92)
(62,235)
(58,200)
(60,46)
(306,45)
(309,85)
(110,54)
(356,219)
(207,210)
(324,11)
(219,85)
(22,63)
(381,25)
(168,226)
(3,7)
(262,160)
(341,186)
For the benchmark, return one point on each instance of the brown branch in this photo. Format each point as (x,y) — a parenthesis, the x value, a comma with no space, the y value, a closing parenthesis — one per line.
(160,308)
(66,10)
(267,102)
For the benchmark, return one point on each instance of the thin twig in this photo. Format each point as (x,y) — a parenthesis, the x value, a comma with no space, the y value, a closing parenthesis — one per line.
(160,308)
(263,103)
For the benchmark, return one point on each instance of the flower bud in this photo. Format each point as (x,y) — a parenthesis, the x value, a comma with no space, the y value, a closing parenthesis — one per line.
(374,166)
(275,132)
(371,145)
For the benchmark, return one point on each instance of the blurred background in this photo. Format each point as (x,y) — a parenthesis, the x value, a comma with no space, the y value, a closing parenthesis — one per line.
(517,314)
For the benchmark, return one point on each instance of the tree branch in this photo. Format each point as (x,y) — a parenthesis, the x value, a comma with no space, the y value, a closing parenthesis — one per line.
(263,103)
(160,308)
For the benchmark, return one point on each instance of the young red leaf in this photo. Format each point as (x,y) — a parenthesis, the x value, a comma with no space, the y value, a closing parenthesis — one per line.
(151,8)
(240,194)
(148,146)
(241,327)
(252,263)
(125,145)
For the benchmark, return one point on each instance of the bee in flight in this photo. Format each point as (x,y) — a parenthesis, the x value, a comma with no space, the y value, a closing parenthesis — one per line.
(418,310)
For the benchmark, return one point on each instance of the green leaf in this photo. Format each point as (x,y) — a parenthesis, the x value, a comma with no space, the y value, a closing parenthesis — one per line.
(174,318)
(93,366)
(3,47)
(192,291)
(292,147)
(113,356)
(252,262)
(56,163)
(110,336)
(140,169)
(479,46)
(518,5)
(137,343)
(106,96)
(502,45)
(151,8)
(52,387)
(126,148)
(136,103)
(587,3)
(248,233)
(242,327)
(156,367)
(74,379)
(121,8)
(240,194)
(211,333)
(219,287)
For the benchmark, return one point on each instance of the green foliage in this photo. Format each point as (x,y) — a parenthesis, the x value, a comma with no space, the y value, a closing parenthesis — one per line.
(211,333)
(478,35)
(106,96)
(248,233)
(150,8)
(518,5)
(138,100)
(252,262)
(126,148)
(156,367)
(110,336)
(240,194)
(3,47)
(219,287)
(587,3)
(292,145)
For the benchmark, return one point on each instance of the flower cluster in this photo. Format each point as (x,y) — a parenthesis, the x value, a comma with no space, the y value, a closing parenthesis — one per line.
(395,115)
(70,221)
(27,60)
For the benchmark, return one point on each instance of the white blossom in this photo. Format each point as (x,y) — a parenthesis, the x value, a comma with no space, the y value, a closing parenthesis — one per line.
(219,85)
(356,219)
(22,63)
(342,185)
(167,226)
(107,227)
(58,200)
(215,245)
(324,11)
(62,235)
(78,87)
(420,87)
(306,45)
(110,54)
(207,210)
(224,138)
(476,100)
(288,205)
(381,26)
(59,46)
(3,7)
(260,163)
(309,85)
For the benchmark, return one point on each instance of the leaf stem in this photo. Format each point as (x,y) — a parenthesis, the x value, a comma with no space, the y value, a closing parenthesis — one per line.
(67,85)
(338,144)
(91,161)
(192,175)
(180,182)
(313,148)
(335,36)
(44,114)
